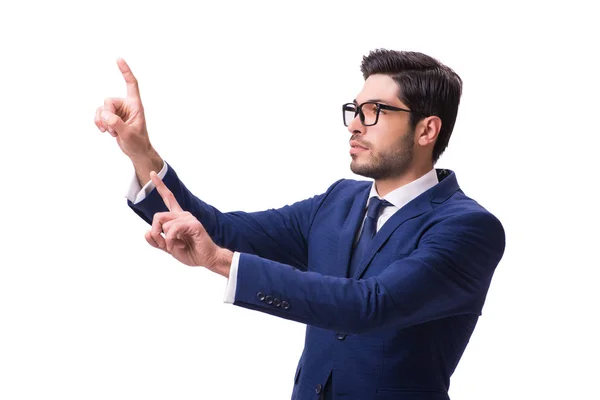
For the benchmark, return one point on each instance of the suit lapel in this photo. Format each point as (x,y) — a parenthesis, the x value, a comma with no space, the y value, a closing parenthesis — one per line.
(423,203)
(413,209)
(349,230)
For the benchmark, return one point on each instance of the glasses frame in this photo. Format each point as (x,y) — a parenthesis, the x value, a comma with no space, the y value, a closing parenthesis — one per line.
(360,113)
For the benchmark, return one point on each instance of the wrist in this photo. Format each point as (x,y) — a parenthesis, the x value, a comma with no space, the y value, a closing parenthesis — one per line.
(149,159)
(222,263)
(144,164)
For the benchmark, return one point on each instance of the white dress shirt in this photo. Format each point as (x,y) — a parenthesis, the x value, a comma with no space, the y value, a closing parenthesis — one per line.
(136,193)
(398,198)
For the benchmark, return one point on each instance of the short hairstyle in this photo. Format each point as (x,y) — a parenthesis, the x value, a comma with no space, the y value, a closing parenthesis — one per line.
(427,87)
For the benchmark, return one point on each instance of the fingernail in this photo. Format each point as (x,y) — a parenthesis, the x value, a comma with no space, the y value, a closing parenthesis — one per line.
(104,115)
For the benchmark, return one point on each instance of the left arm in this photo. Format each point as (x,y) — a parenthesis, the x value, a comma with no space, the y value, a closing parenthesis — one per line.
(447,275)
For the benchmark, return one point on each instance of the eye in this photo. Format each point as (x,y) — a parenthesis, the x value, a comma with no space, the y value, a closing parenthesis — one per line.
(372,108)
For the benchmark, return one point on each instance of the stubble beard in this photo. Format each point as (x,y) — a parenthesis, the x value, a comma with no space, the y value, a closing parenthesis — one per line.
(388,163)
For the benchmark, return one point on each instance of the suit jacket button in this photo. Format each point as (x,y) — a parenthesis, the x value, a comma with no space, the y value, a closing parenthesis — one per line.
(276,302)
(319,388)
(341,336)
(269,299)
(261,296)
(285,305)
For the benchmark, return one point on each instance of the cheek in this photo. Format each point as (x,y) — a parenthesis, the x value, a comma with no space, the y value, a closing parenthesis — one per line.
(384,140)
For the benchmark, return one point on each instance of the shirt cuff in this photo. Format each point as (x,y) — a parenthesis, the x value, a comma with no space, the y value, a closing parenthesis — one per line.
(135,194)
(232,281)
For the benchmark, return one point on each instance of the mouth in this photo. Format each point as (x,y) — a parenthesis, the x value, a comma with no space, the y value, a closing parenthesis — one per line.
(356,147)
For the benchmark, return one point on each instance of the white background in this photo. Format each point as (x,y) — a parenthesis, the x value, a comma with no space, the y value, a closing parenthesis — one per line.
(243,99)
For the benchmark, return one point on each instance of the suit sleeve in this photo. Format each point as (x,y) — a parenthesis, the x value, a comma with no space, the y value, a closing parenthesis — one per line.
(276,234)
(448,274)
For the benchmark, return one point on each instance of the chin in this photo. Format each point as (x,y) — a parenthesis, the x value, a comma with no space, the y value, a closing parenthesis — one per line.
(361,169)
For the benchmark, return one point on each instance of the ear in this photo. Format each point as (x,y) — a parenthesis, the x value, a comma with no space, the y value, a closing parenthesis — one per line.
(429,128)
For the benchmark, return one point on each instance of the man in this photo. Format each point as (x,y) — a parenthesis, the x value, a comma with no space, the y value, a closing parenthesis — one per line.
(390,276)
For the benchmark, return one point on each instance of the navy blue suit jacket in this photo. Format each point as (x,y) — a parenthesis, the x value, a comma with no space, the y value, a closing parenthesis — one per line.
(395,330)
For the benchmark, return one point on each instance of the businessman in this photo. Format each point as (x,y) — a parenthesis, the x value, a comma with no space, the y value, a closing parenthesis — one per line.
(390,275)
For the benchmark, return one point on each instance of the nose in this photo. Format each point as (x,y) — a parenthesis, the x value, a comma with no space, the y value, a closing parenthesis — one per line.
(355,127)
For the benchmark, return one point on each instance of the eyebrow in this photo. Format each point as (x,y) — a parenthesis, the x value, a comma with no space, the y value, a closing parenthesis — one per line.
(375,101)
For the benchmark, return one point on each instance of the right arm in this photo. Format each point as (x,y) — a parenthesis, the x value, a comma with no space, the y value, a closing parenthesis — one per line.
(276,234)
(280,235)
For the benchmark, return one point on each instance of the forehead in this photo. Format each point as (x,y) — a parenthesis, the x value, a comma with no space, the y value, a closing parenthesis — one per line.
(379,87)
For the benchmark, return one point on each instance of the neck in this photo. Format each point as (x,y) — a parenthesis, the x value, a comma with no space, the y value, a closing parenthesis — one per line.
(386,185)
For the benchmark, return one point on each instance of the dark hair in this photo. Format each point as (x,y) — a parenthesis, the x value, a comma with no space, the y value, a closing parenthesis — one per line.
(427,87)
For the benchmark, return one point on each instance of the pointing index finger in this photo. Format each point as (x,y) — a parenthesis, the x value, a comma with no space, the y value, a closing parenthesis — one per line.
(167,196)
(133,90)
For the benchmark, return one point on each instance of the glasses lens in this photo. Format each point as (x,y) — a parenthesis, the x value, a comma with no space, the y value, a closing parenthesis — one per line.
(349,113)
(369,110)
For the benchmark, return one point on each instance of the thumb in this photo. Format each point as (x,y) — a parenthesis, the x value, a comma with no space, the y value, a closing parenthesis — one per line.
(113,121)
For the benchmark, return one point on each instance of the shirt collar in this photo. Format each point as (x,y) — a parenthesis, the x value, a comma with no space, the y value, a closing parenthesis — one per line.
(404,194)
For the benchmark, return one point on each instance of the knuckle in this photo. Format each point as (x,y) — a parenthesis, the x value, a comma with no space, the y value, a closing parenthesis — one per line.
(159,215)
(110,104)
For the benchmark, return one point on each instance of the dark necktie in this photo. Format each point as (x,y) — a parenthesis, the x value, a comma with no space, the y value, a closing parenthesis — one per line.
(368,232)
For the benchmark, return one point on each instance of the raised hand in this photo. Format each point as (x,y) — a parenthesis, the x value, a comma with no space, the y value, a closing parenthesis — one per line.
(124,118)
(185,237)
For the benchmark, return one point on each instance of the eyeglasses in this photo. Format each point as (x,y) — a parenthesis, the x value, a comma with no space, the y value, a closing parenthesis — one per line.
(368,112)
